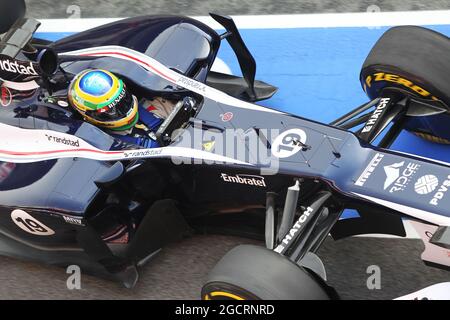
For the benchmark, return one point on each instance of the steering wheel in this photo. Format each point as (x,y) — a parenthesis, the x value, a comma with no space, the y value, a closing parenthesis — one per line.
(180,114)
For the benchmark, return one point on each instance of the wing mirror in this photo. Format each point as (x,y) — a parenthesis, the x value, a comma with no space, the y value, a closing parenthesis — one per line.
(48,61)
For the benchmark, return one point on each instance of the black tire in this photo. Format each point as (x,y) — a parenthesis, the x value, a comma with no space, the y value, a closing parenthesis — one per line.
(414,59)
(250,272)
(10,12)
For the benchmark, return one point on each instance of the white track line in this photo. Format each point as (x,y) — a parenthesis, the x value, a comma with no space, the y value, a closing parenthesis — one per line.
(318,20)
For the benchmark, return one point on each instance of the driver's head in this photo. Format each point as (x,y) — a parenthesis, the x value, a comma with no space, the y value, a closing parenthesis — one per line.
(103,100)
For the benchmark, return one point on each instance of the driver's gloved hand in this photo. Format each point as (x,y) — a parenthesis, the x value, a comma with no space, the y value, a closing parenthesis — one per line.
(189,102)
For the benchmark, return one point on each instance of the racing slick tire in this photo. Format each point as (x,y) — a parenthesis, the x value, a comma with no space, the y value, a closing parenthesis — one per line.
(417,60)
(10,12)
(250,272)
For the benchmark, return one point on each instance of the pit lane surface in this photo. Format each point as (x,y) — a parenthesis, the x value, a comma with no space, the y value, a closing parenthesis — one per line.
(178,271)
(117,8)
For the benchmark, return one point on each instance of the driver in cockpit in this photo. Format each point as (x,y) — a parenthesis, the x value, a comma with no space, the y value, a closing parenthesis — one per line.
(103,99)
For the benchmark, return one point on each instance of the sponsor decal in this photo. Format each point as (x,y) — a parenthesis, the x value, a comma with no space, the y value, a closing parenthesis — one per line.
(295,228)
(426,184)
(376,115)
(6,96)
(107,124)
(62,103)
(66,141)
(439,195)
(208,146)
(373,164)
(227,116)
(392,173)
(191,84)
(17,67)
(398,175)
(381,76)
(142,153)
(246,179)
(289,143)
(29,224)
(72,220)
(116,100)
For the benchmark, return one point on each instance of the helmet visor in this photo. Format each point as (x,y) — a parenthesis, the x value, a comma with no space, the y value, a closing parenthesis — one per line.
(116,110)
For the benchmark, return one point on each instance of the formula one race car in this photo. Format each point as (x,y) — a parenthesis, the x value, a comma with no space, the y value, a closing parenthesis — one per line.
(71,193)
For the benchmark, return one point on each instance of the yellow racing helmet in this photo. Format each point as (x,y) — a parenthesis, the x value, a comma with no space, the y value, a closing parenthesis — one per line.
(103,100)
